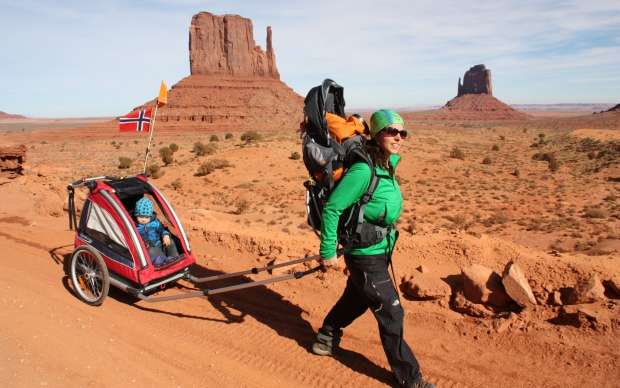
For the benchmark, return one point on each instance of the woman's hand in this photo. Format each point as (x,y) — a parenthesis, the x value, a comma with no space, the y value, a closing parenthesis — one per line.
(333,263)
(165,240)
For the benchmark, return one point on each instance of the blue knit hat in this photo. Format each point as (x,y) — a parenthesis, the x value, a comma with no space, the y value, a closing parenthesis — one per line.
(383,118)
(144,208)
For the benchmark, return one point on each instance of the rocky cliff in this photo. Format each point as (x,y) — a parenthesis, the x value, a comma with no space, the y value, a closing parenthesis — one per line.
(225,45)
(233,84)
(477,80)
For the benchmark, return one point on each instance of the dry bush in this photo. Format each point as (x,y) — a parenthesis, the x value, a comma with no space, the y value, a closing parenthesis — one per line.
(173,147)
(228,136)
(124,162)
(201,149)
(176,184)
(154,171)
(211,165)
(295,155)
(167,155)
(594,212)
(251,136)
(487,160)
(495,147)
(214,138)
(241,206)
(457,153)
(459,221)
(496,218)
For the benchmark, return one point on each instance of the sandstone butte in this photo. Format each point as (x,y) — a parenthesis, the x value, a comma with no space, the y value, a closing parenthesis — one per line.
(475,101)
(233,83)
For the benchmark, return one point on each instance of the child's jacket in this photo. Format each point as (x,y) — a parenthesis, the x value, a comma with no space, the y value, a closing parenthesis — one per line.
(152,232)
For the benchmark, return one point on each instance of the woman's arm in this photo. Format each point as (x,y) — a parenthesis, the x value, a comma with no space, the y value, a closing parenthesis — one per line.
(348,191)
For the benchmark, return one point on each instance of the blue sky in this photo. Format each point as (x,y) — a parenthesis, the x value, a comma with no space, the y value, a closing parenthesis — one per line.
(75,58)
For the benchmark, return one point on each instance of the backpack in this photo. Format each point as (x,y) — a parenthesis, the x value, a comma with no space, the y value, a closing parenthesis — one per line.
(331,144)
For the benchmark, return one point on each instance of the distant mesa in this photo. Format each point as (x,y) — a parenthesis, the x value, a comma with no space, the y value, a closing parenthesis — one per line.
(475,101)
(477,80)
(4,115)
(233,83)
(615,109)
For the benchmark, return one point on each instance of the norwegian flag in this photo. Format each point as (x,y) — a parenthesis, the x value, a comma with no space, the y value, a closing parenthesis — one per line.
(138,121)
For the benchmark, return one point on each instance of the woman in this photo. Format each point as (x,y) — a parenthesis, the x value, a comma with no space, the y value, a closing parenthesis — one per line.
(369,284)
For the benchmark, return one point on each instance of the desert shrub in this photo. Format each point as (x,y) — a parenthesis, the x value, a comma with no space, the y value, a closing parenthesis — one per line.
(496,218)
(457,153)
(554,165)
(214,138)
(228,136)
(487,160)
(166,155)
(594,212)
(173,147)
(251,136)
(124,162)
(176,184)
(154,171)
(241,206)
(495,147)
(295,155)
(502,137)
(201,149)
(211,165)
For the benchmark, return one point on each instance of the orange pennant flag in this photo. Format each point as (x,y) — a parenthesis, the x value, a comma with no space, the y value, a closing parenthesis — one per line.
(162,99)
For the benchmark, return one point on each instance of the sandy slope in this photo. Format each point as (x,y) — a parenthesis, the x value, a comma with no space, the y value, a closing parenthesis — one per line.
(260,337)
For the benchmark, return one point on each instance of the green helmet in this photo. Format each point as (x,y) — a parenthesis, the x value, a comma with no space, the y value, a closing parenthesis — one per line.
(383,118)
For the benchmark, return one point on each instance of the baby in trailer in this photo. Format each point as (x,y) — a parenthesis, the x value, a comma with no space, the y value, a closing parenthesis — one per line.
(161,247)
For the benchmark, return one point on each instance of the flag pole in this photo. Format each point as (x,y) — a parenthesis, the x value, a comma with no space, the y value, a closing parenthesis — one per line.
(152,129)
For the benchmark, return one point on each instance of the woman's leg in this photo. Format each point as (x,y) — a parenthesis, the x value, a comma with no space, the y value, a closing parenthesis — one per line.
(349,307)
(384,302)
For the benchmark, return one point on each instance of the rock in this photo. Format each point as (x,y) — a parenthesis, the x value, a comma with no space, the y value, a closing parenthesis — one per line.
(482,285)
(424,287)
(477,80)
(225,45)
(11,161)
(556,298)
(516,286)
(589,315)
(423,269)
(587,291)
(614,284)
(462,305)
(502,324)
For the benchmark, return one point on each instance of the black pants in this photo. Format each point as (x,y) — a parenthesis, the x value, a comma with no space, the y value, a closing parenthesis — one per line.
(370,286)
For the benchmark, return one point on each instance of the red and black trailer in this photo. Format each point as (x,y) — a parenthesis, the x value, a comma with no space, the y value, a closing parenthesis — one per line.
(110,251)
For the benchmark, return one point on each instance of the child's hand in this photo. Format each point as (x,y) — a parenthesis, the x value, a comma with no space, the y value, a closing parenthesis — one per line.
(166,240)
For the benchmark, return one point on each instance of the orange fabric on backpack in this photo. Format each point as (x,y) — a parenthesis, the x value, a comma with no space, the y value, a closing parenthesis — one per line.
(342,129)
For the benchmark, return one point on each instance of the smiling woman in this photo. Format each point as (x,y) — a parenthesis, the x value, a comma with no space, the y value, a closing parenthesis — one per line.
(369,285)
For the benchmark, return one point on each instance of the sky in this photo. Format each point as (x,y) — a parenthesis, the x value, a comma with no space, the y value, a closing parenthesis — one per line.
(77,58)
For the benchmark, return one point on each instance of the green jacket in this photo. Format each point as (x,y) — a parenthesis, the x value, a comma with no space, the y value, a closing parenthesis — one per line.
(386,203)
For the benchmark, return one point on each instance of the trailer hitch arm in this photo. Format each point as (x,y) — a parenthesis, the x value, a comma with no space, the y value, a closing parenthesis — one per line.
(254,270)
(236,287)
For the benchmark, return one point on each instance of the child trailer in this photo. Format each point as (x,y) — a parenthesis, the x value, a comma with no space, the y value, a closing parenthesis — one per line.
(110,251)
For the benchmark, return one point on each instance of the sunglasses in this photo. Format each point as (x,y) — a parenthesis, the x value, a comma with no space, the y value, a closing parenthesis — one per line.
(390,131)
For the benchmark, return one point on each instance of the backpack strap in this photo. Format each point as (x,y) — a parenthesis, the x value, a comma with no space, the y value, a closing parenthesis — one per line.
(374,182)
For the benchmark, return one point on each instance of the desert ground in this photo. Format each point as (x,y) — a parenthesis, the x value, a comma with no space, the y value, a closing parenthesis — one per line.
(543,192)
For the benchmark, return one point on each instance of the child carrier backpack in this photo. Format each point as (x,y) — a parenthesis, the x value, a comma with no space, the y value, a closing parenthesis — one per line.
(331,144)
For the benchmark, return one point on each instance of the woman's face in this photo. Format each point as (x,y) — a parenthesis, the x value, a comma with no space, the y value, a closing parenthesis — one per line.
(390,140)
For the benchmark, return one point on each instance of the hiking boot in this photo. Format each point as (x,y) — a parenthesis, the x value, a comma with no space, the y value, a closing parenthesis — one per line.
(327,341)
(421,383)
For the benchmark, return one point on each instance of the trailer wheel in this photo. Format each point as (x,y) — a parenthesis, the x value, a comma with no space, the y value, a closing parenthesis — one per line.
(89,275)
